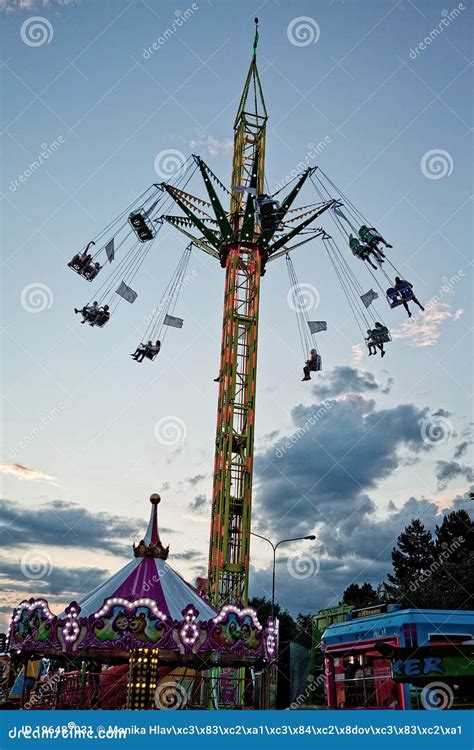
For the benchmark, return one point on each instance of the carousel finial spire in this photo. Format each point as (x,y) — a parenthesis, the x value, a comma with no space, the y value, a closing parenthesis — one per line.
(151,545)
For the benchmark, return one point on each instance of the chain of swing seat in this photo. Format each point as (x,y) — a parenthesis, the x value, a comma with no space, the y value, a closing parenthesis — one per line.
(306,340)
(169,300)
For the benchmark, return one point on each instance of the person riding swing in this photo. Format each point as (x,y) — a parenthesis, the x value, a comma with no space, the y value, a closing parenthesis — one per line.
(88,312)
(148,350)
(405,290)
(81,260)
(372,237)
(313,364)
(360,250)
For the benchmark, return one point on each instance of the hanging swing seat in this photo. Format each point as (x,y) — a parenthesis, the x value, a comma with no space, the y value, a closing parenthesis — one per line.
(316,364)
(141,225)
(380,335)
(87,269)
(101,319)
(396,297)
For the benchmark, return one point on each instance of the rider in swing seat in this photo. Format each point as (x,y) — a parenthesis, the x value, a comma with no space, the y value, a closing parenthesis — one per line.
(372,237)
(405,290)
(102,317)
(379,336)
(81,260)
(313,364)
(370,343)
(88,312)
(91,271)
(360,251)
(148,350)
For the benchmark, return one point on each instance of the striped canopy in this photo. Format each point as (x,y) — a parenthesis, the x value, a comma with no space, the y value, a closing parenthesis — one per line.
(148,575)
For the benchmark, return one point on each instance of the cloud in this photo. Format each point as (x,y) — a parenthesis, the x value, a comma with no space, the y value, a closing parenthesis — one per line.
(355,550)
(338,451)
(213,146)
(425,328)
(344,379)
(449,470)
(199,504)
(63,582)
(26,474)
(67,524)
(461,449)
(12,6)
(193,481)
(358,352)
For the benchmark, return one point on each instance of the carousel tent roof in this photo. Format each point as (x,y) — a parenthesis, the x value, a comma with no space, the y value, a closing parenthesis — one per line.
(149,576)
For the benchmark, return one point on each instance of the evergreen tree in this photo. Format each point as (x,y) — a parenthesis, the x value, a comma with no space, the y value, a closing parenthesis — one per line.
(360,596)
(412,561)
(452,583)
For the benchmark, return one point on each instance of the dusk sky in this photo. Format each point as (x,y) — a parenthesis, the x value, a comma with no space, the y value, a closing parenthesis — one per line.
(87,433)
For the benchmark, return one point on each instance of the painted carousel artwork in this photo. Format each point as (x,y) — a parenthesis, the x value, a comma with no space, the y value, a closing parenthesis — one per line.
(143,639)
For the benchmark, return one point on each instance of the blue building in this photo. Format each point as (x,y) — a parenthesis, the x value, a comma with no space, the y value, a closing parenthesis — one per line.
(390,658)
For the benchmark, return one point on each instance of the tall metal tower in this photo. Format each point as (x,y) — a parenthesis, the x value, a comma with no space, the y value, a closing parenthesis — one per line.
(244,244)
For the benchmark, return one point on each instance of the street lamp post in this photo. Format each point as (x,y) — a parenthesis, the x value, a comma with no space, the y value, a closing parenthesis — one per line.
(274,547)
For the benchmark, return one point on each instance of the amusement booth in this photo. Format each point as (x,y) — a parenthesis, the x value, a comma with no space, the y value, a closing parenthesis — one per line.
(385,657)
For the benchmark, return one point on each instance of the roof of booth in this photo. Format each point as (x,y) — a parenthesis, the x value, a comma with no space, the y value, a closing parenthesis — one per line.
(149,576)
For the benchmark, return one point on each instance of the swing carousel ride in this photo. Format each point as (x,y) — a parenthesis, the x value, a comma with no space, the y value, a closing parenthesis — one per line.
(208,643)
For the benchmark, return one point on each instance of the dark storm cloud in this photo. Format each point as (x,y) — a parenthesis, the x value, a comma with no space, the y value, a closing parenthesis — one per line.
(352,551)
(345,379)
(339,451)
(67,524)
(446,471)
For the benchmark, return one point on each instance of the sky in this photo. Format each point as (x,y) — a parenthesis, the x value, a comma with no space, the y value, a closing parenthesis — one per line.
(114,91)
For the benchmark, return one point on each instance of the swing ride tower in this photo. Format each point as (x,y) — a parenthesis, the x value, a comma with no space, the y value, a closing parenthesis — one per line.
(244,244)
(229,544)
